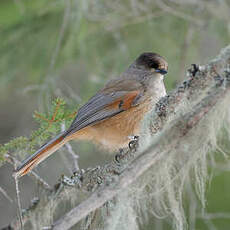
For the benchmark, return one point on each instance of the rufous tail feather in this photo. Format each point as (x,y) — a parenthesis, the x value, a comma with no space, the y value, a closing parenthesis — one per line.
(41,154)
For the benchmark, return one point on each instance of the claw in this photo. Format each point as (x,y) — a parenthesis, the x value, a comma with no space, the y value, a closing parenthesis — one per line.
(133,144)
(119,155)
(193,70)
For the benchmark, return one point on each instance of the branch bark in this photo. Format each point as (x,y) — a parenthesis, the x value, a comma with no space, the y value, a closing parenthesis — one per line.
(65,206)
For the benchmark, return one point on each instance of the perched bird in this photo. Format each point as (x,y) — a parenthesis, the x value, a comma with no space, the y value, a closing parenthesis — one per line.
(115,112)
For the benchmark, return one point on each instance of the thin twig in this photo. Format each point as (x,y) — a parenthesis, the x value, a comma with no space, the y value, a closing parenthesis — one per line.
(18,198)
(5,194)
(34,175)
(40,180)
(73,155)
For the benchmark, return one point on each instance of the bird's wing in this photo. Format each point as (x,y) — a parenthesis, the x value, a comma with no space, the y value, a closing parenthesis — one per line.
(116,97)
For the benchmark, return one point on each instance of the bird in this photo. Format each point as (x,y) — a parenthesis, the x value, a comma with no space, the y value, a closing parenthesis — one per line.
(114,113)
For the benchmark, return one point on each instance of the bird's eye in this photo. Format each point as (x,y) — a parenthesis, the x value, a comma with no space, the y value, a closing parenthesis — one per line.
(154,65)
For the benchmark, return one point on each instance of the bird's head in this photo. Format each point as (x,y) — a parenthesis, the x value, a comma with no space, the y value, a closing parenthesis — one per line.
(152,62)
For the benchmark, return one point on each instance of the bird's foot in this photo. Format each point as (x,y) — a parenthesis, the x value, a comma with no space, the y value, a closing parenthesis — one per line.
(119,156)
(193,70)
(134,143)
(132,147)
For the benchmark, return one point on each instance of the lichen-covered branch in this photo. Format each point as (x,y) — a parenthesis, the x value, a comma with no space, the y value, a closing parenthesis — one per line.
(174,119)
(148,158)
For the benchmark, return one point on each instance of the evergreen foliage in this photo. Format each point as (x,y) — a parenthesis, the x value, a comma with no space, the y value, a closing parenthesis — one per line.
(49,125)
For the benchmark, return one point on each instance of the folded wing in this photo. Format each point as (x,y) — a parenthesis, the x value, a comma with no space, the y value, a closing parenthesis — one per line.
(105,104)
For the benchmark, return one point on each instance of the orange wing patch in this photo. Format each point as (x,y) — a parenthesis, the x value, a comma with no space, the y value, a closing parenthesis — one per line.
(124,102)
(128,100)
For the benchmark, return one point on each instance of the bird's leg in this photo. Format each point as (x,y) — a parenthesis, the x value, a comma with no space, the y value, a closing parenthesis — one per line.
(134,142)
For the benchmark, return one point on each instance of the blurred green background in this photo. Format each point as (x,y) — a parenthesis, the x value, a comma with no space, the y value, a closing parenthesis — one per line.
(69,49)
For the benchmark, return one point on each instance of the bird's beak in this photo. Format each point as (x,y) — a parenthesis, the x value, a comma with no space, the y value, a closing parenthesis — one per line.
(161,71)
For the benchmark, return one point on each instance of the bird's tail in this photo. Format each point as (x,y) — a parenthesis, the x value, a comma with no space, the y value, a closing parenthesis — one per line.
(40,155)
